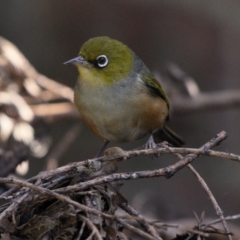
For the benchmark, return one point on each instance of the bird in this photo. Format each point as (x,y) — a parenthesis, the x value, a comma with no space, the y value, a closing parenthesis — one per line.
(118,97)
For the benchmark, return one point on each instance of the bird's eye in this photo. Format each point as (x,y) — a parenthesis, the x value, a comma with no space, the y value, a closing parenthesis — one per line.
(102,61)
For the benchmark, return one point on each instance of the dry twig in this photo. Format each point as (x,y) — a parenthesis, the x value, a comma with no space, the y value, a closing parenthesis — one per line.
(91,174)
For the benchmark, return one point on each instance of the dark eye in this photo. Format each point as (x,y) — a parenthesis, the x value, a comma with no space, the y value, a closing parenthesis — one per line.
(102,61)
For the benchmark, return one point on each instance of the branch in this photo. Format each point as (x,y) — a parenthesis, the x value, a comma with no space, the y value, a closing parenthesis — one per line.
(213,200)
(91,226)
(166,172)
(216,100)
(95,176)
(53,112)
(141,220)
(185,94)
(46,191)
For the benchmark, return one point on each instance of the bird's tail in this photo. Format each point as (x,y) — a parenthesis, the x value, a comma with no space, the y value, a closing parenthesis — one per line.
(166,134)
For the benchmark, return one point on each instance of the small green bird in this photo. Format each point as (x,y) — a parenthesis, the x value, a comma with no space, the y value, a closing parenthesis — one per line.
(117,96)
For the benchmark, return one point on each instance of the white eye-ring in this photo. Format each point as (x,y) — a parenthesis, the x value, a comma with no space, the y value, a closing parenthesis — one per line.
(102,61)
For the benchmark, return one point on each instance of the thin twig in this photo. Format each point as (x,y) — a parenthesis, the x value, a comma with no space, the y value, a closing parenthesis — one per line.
(53,194)
(52,112)
(81,231)
(186,96)
(212,199)
(166,172)
(203,152)
(12,207)
(76,204)
(179,226)
(136,230)
(209,193)
(91,226)
(141,220)
(216,100)
(78,166)
(54,86)
(233,217)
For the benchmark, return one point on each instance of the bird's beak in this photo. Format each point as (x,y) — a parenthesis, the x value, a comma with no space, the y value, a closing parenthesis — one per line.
(77,61)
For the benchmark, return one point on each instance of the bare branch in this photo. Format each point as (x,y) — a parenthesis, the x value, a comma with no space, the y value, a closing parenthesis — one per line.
(136,230)
(186,96)
(212,198)
(141,220)
(216,100)
(53,112)
(60,197)
(233,217)
(91,226)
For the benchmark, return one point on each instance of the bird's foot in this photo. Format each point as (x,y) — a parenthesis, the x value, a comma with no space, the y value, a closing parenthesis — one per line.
(150,143)
(164,144)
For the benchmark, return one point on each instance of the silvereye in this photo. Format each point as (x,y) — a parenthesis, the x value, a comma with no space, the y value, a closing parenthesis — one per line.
(117,96)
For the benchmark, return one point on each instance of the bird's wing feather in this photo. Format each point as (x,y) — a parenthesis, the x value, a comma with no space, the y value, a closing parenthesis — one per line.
(155,87)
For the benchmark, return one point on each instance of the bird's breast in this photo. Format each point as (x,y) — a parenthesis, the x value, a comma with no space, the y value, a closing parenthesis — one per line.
(121,112)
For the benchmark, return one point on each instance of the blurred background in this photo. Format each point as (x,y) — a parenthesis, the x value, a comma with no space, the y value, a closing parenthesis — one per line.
(201,37)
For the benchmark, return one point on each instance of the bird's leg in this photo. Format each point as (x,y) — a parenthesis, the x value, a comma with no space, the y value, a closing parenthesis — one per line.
(102,148)
(150,143)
